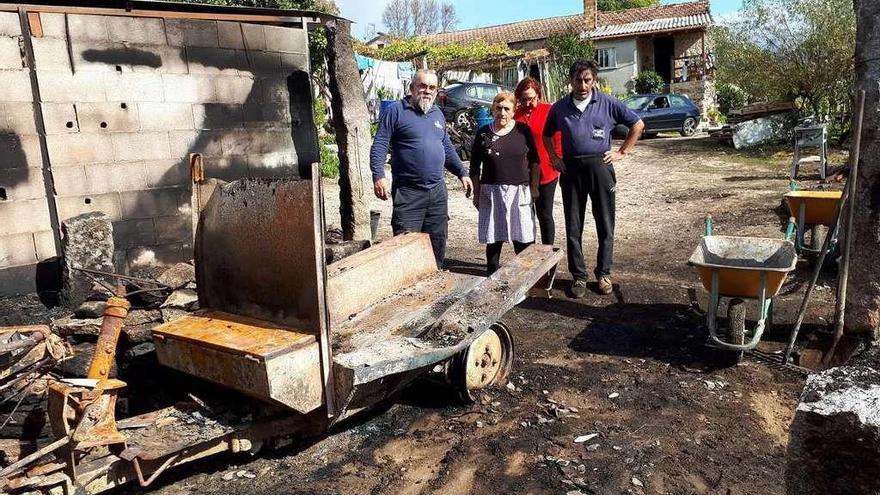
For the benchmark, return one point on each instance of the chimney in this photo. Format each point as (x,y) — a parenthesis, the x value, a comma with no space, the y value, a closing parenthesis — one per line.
(591,14)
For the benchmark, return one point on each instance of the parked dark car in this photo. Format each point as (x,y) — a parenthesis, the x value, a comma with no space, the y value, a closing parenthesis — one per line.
(663,112)
(457,98)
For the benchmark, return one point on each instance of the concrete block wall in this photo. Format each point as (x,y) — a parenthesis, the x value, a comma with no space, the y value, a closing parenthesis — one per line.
(125,101)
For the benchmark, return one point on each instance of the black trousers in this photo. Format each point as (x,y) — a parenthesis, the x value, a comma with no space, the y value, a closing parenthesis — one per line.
(493,254)
(422,210)
(588,177)
(544,210)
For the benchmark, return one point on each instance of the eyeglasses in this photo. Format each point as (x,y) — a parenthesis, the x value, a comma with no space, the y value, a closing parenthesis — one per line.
(523,99)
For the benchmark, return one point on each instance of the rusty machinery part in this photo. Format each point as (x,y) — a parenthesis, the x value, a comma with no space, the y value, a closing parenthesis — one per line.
(87,416)
(95,276)
(485,363)
(111,326)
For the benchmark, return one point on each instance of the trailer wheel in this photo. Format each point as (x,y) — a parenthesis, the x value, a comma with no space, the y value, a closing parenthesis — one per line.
(486,363)
(736,327)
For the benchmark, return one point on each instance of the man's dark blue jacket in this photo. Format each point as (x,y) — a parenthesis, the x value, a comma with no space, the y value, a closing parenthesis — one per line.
(420,146)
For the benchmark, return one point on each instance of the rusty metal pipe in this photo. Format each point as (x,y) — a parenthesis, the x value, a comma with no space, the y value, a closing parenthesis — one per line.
(146,482)
(105,351)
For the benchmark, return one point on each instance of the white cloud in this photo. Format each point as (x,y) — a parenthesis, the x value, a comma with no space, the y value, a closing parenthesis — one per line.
(362,13)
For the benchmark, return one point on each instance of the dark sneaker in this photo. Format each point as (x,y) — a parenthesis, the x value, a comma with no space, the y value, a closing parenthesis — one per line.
(605,286)
(579,288)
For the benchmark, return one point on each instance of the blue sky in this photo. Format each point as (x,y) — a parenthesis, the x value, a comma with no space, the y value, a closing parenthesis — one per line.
(474,13)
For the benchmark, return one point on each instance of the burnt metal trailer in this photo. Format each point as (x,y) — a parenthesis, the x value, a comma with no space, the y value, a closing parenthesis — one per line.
(312,343)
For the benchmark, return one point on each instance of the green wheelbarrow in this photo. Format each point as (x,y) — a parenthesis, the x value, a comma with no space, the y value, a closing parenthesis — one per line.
(741,268)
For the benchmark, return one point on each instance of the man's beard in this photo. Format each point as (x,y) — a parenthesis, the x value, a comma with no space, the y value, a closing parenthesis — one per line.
(425,103)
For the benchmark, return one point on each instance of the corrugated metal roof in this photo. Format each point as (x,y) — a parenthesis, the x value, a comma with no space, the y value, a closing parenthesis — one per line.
(667,24)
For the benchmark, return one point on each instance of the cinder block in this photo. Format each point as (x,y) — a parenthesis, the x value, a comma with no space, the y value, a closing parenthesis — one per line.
(284,39)
(71,206)
(185,142)
(141,146)
(256,141)
(19,119)
(58,86)
(9,24)
(226,167)
(230,35)
(177,228)
(267,114)
(127,57)
(87,27)
(254,36)
(265,61)
(59,118)
(20,151)
(274,89)
(153,202)
(166,173)
(188,88)
(234,89)
(196,33)
(53,25)
(280,163)
(51,54)
(218,116)
(30,215)
(108,117)
(67,149)
(10,54)
(165,116)
(216,61)
(16,85)
(105,178)
(133,87)
(44,241)
(22,183)
(69,180)
(294,61)
(174,253)
(133,233)
(146,30)
(173,60)
(17,249)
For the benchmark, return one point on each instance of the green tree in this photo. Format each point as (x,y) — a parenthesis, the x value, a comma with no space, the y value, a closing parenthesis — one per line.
(791,50)
(565,48)
(625,4)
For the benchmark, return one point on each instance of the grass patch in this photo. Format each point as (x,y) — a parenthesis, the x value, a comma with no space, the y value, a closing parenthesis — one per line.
(329,162)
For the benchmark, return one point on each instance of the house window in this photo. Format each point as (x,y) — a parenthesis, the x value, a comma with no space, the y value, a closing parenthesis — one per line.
(511,76)
(606,58)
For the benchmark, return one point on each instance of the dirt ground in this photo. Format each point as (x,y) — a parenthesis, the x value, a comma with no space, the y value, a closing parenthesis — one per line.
(628,371)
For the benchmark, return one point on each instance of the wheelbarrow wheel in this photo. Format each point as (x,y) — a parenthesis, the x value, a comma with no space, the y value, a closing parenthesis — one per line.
(736,327)
(486,363)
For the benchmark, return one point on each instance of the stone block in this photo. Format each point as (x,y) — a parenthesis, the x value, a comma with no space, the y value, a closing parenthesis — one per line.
(108,117)
(178,276)
(145,30)
(10,54)
(254,36)
(22,183)
(285,39)
(133,87)
(60,118)
(188,88)
(218,116)
(141,146)
(227,167)
(165,116)
(203,60)
(274,89)
(44,242)
(174,228)
(71,206)
(278,163)
(19,118)
(267,114)
(835,435)
(53,25)
(63,87)
(90,309)
(51,54)
(192,33)
(20,151)
(185,299)
(294,61)
(87,242)
(29,215)
(69,149)
(269,62)
(230,35)
(127,57)
(102,178)
(70,180)
(166,173)
(87,27)
(236,89)
(254,141)
(9,24)
(72,325)
(133,233)
(16,85)
(17,249)
(153,202)
(185,142)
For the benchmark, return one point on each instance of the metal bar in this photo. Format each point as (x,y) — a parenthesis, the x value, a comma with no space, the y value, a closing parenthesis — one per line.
(24,461)
(324,340)
(801,228)
(165,465)
(122,277)
(30,341)
(712,311)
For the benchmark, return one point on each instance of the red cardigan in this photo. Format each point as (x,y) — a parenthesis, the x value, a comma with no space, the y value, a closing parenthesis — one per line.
(536,122)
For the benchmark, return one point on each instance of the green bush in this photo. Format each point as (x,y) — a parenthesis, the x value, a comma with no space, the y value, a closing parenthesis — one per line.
(329,162)
(384,93)
(730,97)
(649,81)
(320,111)
(374,128)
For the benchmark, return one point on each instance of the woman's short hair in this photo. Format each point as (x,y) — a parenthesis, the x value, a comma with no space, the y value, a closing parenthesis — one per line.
(502,96)
(526,84)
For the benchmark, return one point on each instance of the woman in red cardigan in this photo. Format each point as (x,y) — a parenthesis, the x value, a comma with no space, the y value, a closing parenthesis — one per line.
(532,110)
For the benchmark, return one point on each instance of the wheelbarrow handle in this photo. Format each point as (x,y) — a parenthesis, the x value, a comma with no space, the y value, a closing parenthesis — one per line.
(790,229)
(708,222)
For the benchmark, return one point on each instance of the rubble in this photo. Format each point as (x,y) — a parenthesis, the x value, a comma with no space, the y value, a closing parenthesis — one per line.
(185,299)
(90,309)
(178,276)
(87,242)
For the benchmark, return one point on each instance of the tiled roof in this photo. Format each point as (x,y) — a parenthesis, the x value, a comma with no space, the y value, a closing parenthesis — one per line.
(609,24)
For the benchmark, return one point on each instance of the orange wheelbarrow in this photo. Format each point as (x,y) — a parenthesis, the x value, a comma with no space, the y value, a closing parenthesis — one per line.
(811,209)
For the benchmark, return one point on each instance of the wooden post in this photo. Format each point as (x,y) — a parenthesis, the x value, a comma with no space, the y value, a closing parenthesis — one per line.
(351,122)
